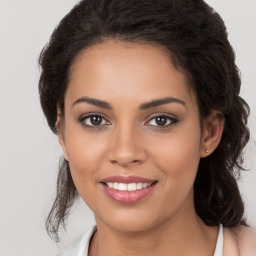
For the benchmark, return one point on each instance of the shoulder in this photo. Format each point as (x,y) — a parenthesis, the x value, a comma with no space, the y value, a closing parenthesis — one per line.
(246,239)
(240,241)
(80,246)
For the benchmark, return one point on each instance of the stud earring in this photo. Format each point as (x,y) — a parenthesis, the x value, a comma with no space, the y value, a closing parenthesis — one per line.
(207,151)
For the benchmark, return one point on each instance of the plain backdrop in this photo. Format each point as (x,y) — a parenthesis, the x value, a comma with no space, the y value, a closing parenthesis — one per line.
(29,152)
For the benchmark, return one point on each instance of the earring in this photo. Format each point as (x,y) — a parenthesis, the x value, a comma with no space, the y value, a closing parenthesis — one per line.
(207,151)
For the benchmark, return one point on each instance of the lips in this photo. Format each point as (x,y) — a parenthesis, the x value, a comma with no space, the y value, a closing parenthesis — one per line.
(127,189)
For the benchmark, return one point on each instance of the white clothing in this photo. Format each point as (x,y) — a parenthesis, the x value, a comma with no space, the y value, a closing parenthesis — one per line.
(220,242)
(81,246)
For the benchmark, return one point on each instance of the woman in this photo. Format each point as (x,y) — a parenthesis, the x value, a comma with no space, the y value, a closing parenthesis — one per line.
(144,97)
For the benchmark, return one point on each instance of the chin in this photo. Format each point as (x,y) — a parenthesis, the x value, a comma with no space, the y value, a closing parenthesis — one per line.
(128,220)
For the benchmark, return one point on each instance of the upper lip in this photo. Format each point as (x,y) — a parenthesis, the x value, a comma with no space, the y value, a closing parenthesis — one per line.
(127,179)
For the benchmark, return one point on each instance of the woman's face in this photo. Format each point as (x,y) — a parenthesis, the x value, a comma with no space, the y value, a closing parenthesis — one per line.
(132,136)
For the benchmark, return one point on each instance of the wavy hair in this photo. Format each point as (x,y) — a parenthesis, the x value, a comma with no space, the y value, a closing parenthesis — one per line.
(196,38)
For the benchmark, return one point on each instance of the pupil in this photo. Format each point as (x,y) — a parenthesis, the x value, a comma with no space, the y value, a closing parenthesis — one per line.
(96,120)
(161,120)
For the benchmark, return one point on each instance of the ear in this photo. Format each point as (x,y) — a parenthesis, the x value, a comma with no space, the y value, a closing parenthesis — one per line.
(212,129)
(59,124)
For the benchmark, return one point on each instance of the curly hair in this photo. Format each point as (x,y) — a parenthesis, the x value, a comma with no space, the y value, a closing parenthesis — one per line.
(196,38)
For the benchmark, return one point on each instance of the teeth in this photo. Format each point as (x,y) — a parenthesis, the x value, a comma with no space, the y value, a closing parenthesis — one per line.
(110,184)
(139,185)
(144,185)
(122,186)
(127,187)
(115,185)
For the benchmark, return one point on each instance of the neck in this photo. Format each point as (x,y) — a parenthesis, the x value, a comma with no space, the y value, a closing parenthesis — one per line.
(188,236)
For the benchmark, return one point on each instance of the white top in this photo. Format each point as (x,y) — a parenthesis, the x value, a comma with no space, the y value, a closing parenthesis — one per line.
(81,246)
(220,242)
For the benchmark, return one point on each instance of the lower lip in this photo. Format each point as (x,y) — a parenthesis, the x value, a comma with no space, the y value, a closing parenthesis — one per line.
(127,197)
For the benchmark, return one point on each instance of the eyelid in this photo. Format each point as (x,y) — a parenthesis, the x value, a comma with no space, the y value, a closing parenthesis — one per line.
(168,116)
(173,120)
(88,115)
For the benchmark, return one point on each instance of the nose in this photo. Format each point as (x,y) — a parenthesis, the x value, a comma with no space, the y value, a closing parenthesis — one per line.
(126,148)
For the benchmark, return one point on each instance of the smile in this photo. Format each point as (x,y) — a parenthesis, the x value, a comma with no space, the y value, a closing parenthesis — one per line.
(129,189)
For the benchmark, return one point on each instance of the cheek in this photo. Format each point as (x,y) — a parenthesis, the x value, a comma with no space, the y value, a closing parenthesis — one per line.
(178,158)
(85,155)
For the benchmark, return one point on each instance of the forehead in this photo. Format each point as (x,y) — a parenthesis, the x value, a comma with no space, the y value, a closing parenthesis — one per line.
(122,69)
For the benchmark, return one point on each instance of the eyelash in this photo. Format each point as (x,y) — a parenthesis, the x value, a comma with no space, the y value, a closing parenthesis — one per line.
(170,120)
(82,120)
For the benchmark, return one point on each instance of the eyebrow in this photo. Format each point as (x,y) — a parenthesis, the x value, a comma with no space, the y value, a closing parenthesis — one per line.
(96,102)
(146,105)
(159,102)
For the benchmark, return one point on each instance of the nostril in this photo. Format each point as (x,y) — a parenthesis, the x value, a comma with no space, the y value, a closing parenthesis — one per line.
(125,162)
(126,155)
(113,161)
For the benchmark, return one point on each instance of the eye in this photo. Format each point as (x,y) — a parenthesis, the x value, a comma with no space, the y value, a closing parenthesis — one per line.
(93,120)
(162,121)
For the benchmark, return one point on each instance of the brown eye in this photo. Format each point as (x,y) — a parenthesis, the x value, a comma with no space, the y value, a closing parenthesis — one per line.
(162,121)
(93,120)
(96,120)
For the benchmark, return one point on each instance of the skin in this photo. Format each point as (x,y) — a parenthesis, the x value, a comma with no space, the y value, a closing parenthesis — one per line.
(129,141)
(239,241)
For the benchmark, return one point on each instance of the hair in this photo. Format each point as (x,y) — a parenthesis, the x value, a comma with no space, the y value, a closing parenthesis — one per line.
(196,38)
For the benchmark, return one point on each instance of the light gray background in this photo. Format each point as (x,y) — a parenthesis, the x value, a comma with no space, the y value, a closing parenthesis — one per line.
(29,152)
